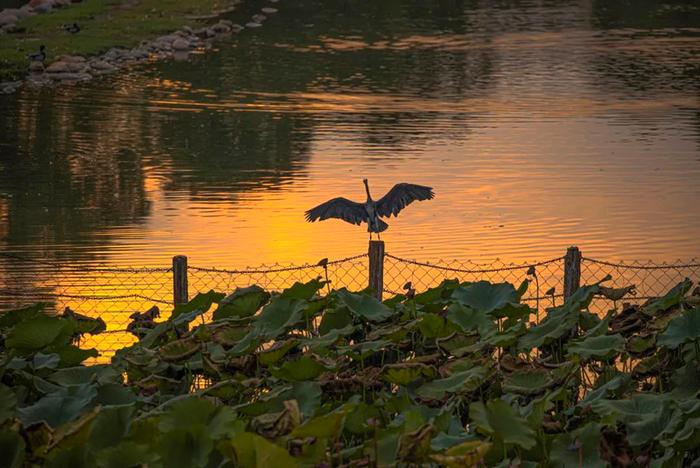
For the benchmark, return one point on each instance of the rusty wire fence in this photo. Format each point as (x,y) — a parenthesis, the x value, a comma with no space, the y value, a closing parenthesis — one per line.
(115,293)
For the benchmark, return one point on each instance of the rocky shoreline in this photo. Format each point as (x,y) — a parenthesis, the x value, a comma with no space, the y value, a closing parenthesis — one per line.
(73,69)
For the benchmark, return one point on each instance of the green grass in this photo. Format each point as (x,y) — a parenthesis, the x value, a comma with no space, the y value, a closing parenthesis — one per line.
(104,24)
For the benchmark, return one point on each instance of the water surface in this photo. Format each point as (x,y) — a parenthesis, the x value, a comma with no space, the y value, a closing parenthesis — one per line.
(539,124)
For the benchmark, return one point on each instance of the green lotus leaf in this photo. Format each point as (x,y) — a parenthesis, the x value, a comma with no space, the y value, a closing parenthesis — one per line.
(469,453)
(527,382)
(498,300)
(600,327)
(636,408)
(335,319)
(278,316)
(178,350)
(39,333)
(45,361)
(687,437)
(686,381)
(498,420)
(276,352)
(436,297)
(637,345)
(201,302)
(356,420)
(304,290)
(433,326)
(559,322)
(459,382)
(102,374)
(364,306)
(642,430)
(12,448)
(681,330)
(470,319)
(671,299)
(59,407)
(308,397)
(304,368)
(229,334)
(613,386)
(327,426)
(578,448)
(322,342)
(597,347)
(248,450)
(405,373)
(112,394)
(11,318)
(110,425)
(243,302)
(126,453)
(71,356)
(185,446)
(8,403)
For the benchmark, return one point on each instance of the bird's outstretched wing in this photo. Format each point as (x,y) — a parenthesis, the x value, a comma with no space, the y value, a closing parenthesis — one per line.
(340,208)
(400,196)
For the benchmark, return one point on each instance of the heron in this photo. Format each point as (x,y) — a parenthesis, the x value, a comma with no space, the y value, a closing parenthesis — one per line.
(399,197)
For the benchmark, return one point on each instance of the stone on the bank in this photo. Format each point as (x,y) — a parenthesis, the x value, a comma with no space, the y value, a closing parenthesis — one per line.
(259,18)
(102,66)
(36,67)
(58,67)
(252,25)
(237,28)
(67,76)
(269,10)
(221,28)
(9,87)
(181,44)
(7,19)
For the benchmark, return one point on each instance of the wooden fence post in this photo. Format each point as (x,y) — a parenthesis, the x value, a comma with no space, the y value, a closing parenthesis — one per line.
(376,267)
(180,294)
(572,271)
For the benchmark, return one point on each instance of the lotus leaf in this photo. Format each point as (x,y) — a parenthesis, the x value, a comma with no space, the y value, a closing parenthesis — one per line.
(252,451)
(579,448)
(498,300)
(464,381)
(304,368)
(244,302)
(670,299)
(12,448)
(276,352)
(281,314)
(498,420)
(39,333)
(327,426)
(681,330)
(304,290)
(470,319)
(404,374)
(470,453)
(8,403)
(528,382)
(364,306)
(597,347)
(60,406)
(201,302)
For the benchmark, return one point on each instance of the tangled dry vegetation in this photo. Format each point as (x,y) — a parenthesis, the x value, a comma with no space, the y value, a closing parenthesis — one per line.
(454,376)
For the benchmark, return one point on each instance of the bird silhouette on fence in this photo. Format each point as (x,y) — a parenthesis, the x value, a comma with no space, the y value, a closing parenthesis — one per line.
(396,199)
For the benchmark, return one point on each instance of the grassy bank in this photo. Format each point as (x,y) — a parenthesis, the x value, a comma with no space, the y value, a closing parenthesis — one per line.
(104,24)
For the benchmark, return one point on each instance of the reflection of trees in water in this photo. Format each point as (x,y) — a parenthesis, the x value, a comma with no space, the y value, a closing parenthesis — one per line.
(69,169)
(651,52)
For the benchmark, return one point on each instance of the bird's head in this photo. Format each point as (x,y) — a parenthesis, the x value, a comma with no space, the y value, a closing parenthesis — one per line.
(42,47)
(364,181)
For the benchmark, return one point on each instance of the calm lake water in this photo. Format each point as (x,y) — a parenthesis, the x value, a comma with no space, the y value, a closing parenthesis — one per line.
(539,124)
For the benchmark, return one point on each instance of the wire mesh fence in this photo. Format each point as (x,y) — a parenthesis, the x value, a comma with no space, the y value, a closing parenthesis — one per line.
(114,294)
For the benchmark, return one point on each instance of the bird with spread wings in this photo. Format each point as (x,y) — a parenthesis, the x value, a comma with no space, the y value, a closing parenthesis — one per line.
(370,212)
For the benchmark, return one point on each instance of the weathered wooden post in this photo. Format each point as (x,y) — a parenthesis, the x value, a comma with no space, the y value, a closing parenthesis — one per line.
(572,271)
(376,267)
(180,294)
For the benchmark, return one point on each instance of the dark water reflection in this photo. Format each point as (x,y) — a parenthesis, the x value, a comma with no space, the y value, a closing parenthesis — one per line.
(540,124)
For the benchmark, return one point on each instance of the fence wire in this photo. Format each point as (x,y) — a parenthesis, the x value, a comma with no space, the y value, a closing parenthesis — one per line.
(114,294)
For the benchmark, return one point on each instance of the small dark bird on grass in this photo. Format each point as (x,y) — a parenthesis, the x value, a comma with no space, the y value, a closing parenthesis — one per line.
(72,28)
(38,56)
(398,198)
